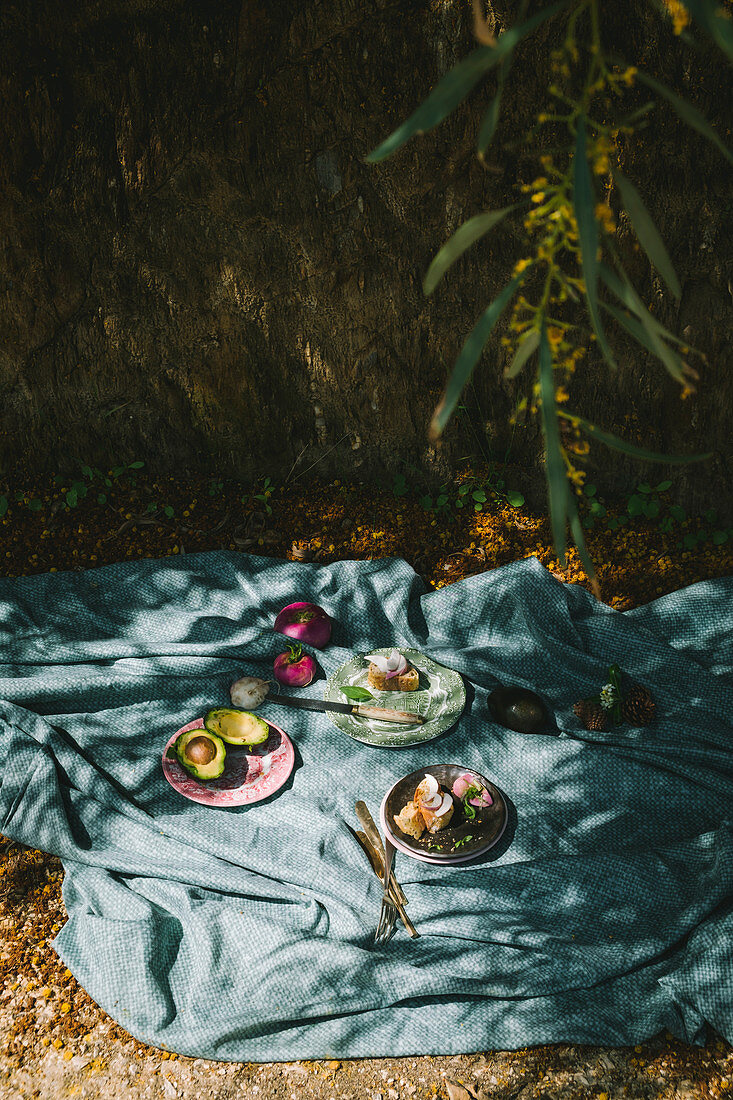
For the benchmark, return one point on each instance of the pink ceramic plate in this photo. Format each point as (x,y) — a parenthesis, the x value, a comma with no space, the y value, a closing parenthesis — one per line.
(249,774)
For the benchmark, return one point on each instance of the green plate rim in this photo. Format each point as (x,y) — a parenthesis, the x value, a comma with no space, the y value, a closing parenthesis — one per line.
(431,729)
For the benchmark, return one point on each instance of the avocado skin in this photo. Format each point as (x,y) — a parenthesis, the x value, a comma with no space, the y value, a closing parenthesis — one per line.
(255,729)
(215,766)
(519,709)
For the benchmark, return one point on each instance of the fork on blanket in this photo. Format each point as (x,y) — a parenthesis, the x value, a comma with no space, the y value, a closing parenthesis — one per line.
(388,914)
(371,842)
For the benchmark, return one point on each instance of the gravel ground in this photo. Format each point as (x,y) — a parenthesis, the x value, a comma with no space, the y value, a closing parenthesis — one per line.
(56,1042)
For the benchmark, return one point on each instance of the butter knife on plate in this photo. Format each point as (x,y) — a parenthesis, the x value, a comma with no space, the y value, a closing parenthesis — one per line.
(382,714)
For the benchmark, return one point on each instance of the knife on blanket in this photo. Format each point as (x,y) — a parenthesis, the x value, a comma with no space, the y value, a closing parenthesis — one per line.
(383,714)
(377,863)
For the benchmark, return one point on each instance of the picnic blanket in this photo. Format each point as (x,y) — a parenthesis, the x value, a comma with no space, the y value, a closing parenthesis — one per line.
(604,915)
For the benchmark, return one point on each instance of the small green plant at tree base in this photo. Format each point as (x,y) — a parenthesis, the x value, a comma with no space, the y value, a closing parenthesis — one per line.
(472,493)
(399,485)
(571,278)
(91,474)
(439,504)
(216,487)
(263,497)
(166,510)
(652,502)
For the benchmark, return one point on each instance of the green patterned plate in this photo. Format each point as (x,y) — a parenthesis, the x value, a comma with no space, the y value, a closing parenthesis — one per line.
(440,699)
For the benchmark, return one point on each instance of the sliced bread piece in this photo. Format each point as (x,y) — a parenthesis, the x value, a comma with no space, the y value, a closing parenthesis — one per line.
(408,680)
(410,821)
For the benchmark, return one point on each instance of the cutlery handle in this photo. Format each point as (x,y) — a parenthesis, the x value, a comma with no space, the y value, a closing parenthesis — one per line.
(375,837)
(377,863)
(370,827)
(401,717)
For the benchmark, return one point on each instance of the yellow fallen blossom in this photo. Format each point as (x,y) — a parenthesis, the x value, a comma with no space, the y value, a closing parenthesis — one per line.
(679,14)
(65,1008)
(604,214)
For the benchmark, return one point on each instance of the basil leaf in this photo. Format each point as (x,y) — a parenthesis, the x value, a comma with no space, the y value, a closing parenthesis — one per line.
(356,694)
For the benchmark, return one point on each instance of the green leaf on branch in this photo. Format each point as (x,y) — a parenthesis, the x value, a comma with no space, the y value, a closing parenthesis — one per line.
(444,98)
(713,18)
(469,357)
(527,347)
(456,84)
(647,232)
(645,334)
(488,124)
(619,444)
(584,201)
(577,533)
(557,482)
(466,235)
(649,333)
(686,112)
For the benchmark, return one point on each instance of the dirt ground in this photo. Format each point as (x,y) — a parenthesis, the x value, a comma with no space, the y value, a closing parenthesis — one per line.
(54,1041)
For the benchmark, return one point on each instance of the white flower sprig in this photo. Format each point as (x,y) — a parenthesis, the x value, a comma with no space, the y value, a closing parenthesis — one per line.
(609,696)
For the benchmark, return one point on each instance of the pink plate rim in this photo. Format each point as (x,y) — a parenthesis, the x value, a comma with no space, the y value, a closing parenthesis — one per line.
(261,787)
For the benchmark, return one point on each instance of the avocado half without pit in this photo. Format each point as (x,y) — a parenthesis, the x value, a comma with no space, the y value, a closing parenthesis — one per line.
(201,753)
(236,727)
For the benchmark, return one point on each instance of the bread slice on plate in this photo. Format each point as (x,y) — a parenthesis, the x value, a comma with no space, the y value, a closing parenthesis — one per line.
(392,673)
(410,821)
(404,681)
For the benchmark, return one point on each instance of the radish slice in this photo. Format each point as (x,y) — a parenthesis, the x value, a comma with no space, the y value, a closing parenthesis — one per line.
(434,803)
(462,784)
(428,789)
(389,666)
(484,799)
(445,805)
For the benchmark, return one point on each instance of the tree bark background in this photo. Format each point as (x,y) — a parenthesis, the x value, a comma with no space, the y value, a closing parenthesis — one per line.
(198,269)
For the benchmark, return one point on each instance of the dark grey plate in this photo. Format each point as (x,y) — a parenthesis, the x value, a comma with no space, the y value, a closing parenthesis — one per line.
(454,847)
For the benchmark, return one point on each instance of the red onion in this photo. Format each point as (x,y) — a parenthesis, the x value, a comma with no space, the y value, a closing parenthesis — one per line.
(294,668)
(306,622)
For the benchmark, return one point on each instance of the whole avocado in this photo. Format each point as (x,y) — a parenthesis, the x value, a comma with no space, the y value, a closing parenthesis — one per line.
(519,709)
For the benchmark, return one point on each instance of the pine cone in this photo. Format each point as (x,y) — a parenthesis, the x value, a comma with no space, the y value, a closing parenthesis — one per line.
(591,714)
(638,707)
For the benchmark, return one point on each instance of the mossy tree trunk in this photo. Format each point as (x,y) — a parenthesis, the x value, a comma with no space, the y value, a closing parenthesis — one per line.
(199,270)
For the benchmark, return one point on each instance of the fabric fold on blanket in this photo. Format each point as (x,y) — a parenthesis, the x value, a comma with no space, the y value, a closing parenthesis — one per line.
(604,915)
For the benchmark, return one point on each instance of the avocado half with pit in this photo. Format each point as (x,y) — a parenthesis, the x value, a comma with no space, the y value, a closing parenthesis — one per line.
(201,753)
(236,727)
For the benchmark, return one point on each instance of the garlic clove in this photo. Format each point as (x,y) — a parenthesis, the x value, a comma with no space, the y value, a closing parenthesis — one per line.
(248,692)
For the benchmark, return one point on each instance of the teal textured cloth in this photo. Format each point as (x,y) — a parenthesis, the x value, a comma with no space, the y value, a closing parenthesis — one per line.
(604,915)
